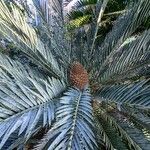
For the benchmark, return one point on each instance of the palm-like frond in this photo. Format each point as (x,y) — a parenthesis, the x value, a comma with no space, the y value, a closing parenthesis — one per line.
(137,115)
(31,100)
(119,4)
(132,135)
(26,103)
(125,26)
(50,18)
(134,94)
(127,58)
(90,31)
(72,129)
(13,26)
(105,134)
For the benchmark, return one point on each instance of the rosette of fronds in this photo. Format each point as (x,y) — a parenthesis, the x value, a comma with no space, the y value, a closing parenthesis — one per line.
(75,93)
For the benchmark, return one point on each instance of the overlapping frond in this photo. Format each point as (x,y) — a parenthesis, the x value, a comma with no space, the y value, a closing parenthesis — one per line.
(47,9)
(124,27)
(26,102)
(108,133)
(137,94)
(50,24)
(86,20)
(30,100)
(14,27)
(132,136)
(73,127)
(137,115)
(14,70)
(101,134)
(127,58)
(80,9)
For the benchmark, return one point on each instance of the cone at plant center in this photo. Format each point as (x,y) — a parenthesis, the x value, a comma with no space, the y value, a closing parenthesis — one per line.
(78,75)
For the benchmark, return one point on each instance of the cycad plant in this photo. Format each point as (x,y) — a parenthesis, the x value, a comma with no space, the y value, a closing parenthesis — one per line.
(72,93)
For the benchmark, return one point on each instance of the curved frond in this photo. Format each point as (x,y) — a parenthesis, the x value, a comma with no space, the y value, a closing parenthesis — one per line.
(47,9)
(136,115)
(124,27)
(26,102)
(127,58)
(101,133)
(34,109)
(13,26)
(136,94)
(50,24)
(128,132)
(73,127)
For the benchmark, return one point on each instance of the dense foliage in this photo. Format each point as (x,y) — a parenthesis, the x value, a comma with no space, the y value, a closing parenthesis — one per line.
(48,100)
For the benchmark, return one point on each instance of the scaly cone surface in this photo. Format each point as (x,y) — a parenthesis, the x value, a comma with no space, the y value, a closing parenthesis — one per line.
(78,75)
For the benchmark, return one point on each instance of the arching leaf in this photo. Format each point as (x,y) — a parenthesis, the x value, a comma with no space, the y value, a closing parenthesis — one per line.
(73,127)
(26,102)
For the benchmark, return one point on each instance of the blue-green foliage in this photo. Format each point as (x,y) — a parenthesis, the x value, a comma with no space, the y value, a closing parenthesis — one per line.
(137,94)
(74,123)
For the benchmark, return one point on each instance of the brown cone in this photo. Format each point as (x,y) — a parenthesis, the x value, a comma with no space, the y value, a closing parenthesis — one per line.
(78,75)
